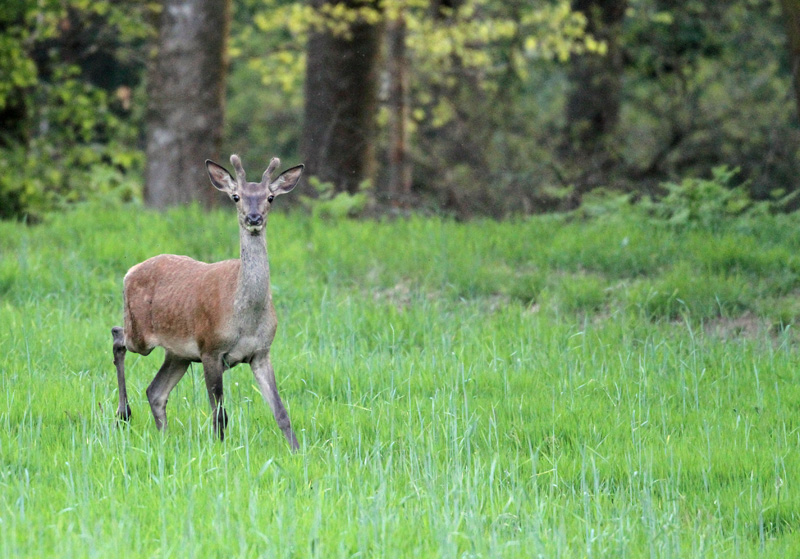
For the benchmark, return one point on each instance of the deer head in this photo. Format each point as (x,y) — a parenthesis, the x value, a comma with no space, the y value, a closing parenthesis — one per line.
(253,199)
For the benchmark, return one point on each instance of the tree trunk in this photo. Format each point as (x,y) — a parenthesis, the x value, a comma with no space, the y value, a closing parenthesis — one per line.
(791,15)
(593,101)
(398,190)
(186,85)
(340,104)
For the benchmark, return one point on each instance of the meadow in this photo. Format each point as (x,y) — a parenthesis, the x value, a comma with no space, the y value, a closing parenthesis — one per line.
(555,386)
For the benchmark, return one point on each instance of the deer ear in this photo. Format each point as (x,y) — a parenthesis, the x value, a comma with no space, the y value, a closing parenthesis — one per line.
(287,180)
(220,178)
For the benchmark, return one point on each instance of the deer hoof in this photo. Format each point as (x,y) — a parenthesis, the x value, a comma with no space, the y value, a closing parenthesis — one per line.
(124,415)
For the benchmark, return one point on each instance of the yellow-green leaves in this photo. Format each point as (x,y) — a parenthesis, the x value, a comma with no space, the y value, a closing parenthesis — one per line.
(555,32)
(484,39)
(18,69)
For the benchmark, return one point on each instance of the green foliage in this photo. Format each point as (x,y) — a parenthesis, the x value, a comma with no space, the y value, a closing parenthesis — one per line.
(707,204)
(702,203)
(707,85)
(264,103)
(18,69)
(72,125)
(462,62)
(328,203)
(704,85)
(439,415)
(477,35)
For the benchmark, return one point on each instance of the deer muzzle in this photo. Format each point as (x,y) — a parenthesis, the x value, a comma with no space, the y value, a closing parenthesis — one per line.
(254,220)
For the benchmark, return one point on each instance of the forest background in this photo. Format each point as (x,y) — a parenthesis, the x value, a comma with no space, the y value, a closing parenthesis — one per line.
(465,107)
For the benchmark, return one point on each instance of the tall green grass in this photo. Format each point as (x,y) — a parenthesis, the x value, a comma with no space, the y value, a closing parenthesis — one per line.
(536,388)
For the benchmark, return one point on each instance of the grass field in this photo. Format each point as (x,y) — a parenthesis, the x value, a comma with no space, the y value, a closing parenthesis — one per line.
(551,387)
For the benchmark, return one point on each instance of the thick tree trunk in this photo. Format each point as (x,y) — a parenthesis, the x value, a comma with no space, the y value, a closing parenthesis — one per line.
(398,189)
(594,98)
(186,85)
(340,104)
(791,15)
(593,101)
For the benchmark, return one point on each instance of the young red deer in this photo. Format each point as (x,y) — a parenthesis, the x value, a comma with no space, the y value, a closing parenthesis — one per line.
(217,314)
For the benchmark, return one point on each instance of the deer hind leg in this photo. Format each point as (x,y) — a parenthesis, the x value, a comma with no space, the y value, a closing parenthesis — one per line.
(213,368)
(171,371)
(265,376)
(123,410)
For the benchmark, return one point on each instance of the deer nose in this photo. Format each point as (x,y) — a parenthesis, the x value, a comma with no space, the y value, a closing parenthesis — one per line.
(254,219)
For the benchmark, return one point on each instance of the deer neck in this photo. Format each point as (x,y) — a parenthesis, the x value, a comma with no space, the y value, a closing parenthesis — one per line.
(252,292)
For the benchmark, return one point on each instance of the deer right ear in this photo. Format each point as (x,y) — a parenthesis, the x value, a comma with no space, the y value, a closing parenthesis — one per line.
(287,180)
(220,178)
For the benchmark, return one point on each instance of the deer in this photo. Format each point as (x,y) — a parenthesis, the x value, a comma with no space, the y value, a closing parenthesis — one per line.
(219,314)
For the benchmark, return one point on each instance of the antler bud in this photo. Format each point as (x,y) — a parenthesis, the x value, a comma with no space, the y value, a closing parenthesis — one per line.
(274,164)
(241,179)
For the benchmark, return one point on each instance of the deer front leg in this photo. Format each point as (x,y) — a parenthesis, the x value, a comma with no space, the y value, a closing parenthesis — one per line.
(123,410)
(265,376)
(171,371)
(213,368)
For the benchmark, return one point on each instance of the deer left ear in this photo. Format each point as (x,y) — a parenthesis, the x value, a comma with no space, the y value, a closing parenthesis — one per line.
(220,178)
(286,181)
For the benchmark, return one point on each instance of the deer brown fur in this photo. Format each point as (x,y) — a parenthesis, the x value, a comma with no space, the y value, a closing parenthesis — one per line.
(218,314)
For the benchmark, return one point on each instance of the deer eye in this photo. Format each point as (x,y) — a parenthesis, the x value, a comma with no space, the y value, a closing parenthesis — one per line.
(270,198)
(235,197)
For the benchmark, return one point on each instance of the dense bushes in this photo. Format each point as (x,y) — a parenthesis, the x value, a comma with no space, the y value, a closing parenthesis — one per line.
(70,103)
